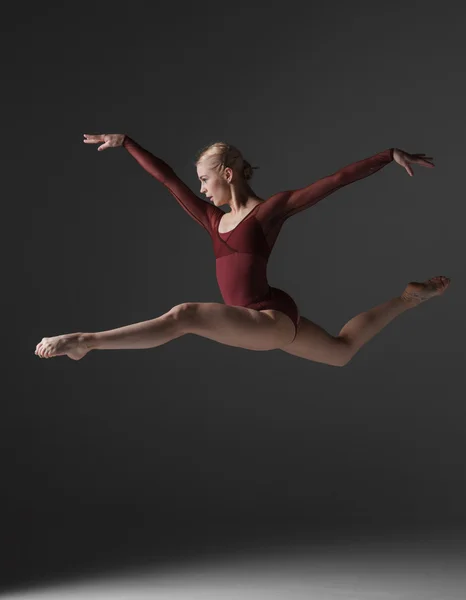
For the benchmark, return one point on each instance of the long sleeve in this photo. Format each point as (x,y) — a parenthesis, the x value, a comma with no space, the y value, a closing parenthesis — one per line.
(198,209)
(284,204)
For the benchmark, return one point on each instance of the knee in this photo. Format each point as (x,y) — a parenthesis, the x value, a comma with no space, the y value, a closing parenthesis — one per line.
(345,355)
(184,314)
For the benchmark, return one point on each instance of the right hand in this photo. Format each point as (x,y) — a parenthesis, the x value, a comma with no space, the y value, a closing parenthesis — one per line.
(111,140)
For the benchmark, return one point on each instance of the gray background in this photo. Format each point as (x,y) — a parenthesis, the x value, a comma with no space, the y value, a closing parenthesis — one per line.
(129,454)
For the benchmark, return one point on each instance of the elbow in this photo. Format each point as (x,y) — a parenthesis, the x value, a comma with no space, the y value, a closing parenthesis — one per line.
(339,178)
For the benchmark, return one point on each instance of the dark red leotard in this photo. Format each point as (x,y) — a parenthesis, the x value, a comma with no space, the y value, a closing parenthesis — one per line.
(243,252)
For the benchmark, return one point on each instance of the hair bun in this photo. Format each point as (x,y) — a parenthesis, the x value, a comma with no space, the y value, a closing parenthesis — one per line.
(248,170)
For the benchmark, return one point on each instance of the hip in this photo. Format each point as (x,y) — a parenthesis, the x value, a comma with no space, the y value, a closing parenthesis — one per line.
(277,299)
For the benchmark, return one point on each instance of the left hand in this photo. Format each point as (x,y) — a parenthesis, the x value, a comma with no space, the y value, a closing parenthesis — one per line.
(404,158)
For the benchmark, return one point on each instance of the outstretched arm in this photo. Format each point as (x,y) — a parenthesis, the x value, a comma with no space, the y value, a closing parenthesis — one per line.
(200,211)
(284,204)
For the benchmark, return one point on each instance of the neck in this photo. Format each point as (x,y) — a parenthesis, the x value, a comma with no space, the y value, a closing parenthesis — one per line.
(243,199)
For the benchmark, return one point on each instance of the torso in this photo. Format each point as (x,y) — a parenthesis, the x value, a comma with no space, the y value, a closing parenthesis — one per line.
(227,223)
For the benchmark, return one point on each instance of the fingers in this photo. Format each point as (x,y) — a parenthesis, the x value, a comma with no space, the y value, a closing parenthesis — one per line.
(422,159)
(426,163)
(110,140)
(94,139)
(409,170)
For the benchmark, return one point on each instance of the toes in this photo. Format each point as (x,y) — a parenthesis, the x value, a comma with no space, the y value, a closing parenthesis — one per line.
(48,352)
(444,281)
(441,282)
(40,348)
(43,351)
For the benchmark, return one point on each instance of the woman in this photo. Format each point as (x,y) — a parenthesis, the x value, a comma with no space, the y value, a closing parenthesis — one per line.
(255,316)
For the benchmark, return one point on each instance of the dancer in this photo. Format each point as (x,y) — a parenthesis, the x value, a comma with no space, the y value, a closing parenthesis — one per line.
(255,316)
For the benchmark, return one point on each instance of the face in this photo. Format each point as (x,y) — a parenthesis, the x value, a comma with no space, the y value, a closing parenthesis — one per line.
(215,187)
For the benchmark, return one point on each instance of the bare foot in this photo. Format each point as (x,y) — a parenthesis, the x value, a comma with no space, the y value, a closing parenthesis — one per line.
(416,292)
(72,344)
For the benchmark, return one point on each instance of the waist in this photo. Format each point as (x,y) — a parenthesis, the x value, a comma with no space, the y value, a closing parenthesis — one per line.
(242,278)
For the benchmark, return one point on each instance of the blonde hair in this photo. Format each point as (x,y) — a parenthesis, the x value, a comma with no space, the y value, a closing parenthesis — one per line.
(225,155)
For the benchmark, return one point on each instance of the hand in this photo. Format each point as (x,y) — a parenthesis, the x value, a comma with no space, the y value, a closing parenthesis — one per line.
(112,140)
(404,158)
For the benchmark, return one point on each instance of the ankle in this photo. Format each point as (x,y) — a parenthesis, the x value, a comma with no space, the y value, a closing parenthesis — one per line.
(409,300)
(89,340)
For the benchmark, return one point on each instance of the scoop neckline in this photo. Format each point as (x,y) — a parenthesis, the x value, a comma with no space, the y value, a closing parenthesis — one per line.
(238,224)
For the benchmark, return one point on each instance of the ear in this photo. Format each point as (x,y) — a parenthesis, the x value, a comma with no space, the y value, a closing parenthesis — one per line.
(228,172)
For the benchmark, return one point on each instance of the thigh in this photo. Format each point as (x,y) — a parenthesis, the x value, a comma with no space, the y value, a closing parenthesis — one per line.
(236,325)
(314,343)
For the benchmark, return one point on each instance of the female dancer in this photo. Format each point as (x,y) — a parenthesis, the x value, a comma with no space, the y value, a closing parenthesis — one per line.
(255,316)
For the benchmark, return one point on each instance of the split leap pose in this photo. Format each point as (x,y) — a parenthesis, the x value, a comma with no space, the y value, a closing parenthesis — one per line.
(255,316)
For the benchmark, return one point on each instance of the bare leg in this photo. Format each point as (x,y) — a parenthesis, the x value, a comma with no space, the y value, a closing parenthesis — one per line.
(146,334)
(232,325)
(314,343)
